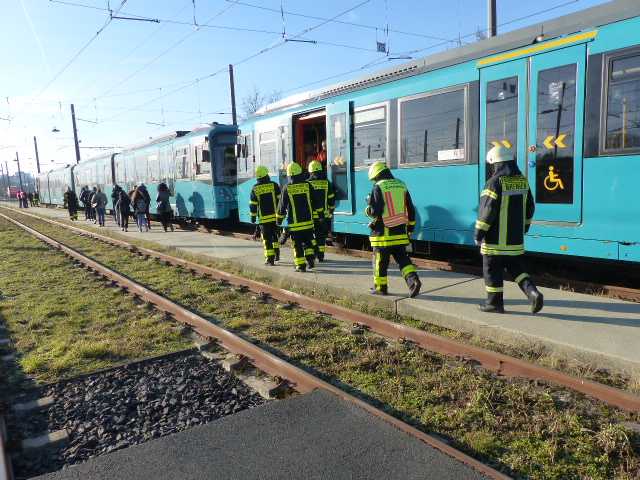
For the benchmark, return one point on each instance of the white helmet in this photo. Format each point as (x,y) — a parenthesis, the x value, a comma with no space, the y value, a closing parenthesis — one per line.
(499,154)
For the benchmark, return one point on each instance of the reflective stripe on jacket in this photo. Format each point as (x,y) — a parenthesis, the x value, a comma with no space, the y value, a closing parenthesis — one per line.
(263,203)
(505,212)
(296,204)
(323,195)
(383,235)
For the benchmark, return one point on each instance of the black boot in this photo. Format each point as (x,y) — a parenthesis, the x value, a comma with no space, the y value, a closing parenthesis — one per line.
(277,259)
(301,268)
(320,256)
(533,294)
(381,290)
(494,304)
(414,284)
(311,263)
(269,261)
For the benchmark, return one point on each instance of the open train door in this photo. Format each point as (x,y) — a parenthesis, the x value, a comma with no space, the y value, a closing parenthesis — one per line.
(339,160)
(535,106)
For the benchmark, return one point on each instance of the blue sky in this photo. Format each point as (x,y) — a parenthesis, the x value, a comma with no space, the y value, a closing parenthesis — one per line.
(135,75)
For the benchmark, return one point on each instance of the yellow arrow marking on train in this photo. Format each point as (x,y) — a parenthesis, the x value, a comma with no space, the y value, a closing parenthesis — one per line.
(548,142)
(506,143)
(495,143)
(559,142)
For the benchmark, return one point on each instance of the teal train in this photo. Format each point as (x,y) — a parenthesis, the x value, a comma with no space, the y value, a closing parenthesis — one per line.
(564,95)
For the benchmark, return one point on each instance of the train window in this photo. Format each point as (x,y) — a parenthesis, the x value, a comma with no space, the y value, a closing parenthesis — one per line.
(283,134)
(245,160)
(432,128)
(182,162)
(622,129)
(502,114)
(369,136)
(556,117)
(268,148)
(224,164)
(338,155)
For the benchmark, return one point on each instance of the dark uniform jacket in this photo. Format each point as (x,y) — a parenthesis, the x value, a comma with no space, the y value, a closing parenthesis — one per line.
(263,203)
(71,200)
(381,235)
(323,195)
(505,212)
(297,204)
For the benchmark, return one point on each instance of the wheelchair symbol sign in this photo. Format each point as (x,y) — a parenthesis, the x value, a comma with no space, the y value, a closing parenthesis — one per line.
(553,181)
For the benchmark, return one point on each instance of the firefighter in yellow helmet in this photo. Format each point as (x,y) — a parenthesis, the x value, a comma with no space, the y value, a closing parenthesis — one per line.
(393,221)
(263,204)
(324,200)
(504,216)
(297,205)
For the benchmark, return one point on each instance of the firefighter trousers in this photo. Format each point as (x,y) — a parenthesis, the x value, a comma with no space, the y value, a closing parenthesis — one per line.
(381,258)
(321,228)
(269,232)
(303,247)
(493,267)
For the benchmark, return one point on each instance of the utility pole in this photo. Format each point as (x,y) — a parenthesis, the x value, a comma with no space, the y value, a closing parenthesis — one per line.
(35,144)
(492,24)
(233,95)
(6,167)
(75,133)
(19,172)
(3,180)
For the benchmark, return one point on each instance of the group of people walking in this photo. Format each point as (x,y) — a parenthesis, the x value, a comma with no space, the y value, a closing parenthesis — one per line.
(136,203)
(504,216)
(26,200)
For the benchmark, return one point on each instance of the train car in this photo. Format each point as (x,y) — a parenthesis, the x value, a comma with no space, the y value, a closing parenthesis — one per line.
(95,172)
(59,181)
(198,166)
(42,186)
(563,95)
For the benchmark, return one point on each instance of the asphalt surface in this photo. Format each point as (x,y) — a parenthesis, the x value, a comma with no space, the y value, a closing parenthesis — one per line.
(314,436)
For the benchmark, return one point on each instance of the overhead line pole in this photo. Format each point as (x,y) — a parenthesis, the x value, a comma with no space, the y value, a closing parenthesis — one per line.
(75,133)
(233,95)
(19,172)
(492,19)
(35,146)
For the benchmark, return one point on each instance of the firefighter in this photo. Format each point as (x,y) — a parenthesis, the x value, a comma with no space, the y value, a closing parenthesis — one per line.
(393,221)
(296,203)
(263,204)
(324,200)
(504,216)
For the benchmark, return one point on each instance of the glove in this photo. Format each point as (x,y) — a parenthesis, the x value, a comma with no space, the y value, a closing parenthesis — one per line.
(253,219)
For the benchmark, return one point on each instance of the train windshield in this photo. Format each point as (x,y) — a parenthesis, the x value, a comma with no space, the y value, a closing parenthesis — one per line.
(224,164)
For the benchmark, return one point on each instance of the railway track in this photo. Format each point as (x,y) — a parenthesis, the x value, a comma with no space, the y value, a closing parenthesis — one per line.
(295,377)
(498,363)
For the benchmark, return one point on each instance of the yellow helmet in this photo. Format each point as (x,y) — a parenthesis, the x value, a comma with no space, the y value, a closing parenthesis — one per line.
(262,171)
(293,169)
(376,169)
(499,154)
(314,166)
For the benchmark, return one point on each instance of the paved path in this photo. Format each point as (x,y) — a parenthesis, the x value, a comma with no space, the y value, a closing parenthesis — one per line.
(314,436)
(597,329)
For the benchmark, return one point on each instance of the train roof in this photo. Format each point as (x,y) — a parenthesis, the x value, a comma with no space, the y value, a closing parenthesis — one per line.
(611,12)
(152,141)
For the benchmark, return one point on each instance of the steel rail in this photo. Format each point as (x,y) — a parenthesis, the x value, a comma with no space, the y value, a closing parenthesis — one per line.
(298,378)
(499,363)
(6,472)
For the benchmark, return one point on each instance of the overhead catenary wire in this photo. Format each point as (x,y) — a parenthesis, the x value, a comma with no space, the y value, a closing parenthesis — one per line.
(250,57)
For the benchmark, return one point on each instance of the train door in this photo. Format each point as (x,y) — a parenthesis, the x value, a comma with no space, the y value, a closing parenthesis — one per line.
(534,106)
(339,162)
(555,133)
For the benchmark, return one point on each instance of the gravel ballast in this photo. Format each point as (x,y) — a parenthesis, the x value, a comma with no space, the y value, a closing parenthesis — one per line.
(129,405)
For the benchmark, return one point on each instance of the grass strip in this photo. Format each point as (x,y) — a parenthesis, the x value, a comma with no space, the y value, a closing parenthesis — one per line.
(63,321)
(528,351)
(524,428)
